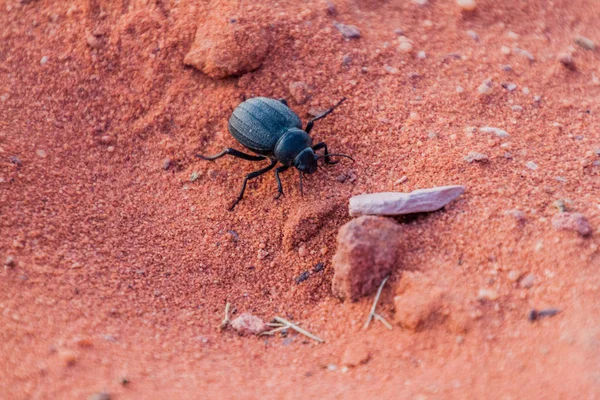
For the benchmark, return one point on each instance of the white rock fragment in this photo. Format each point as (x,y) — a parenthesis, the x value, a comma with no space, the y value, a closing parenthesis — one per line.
(248,324)
(421,55)
(405,46)
(466,5)
(524,53)
(475,156)
(531,165)
(398,203)
(584,42)
(496,131)
(486,88)
(473,35)
(487,294)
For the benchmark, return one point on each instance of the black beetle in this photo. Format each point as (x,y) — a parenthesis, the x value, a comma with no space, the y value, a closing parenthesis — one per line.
(271,129)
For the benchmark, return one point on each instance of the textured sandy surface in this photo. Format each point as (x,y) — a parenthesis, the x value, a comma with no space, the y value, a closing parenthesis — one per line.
(122,268)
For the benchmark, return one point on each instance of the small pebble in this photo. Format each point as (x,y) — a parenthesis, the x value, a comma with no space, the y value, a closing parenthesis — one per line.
(567,61)
(475,156)
(473,35)
(526,90)
(510,86)
(166,163)
(405,47)
(347,60)
(496,131)
(505,50)
(467,5)
(9,262)
(571,221)
(486,88)
(513,275)
(420,2)
(421,55)
(524,53)
(332,367)
(531,165)
(459,89)
(487,294)
(110,149)
(40,153)
(100,396)
(348,31)
(516,214)
(302,251)
(527,282)
(44,60)
(584,42)
(401,180)
(67,357)
(506,68)
(391,70)
(517,108)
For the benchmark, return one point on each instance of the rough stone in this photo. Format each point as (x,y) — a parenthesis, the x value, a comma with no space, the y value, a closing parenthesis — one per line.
(248,324)
(496,131)
(348,31)
(568,221)
(475,156)
(585,43)
(417,301)
(366,253)
(398,203)
(356,354)
(225,47)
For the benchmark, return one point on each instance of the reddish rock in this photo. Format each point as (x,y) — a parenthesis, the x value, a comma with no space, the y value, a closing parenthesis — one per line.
(356,354)
(417,301)
(226,46)
(366,253)
(567,221)
(248,324)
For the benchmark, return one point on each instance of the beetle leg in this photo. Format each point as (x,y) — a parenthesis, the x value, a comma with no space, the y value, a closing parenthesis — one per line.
(310,124)
(320,146)
(252,175)
(232,152)
(278,170)
(284,101)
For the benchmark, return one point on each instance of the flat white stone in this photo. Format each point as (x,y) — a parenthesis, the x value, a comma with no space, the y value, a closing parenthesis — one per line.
(397,203)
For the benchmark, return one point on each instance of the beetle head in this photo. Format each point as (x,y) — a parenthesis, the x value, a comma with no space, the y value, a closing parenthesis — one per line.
(306,161)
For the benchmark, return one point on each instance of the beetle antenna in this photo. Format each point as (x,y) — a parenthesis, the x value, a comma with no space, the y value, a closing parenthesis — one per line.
(339,155)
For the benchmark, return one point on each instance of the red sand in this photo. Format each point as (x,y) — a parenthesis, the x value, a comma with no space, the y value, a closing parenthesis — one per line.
(123,269)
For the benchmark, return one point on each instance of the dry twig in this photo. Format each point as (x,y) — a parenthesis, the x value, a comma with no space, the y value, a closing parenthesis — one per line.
(373,314)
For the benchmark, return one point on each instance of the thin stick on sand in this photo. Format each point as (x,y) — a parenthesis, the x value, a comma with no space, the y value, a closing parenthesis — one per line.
(373,314)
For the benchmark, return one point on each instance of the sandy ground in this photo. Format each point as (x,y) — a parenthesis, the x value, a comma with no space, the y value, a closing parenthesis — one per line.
(122,268)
